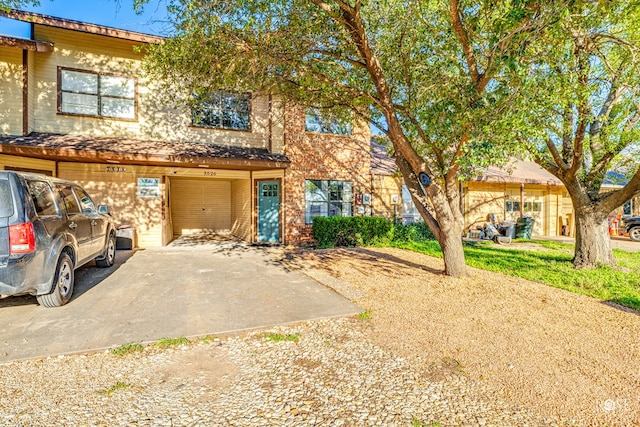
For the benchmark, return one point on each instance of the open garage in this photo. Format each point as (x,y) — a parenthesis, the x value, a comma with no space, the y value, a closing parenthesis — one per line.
(201,205)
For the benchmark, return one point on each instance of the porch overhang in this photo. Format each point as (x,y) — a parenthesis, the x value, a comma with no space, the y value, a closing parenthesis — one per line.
(26,44)
(88,149)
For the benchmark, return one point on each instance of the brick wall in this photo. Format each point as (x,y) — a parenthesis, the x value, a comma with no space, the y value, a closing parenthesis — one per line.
(324,157)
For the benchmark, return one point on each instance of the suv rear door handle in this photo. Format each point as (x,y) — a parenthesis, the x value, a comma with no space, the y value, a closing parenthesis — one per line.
(73,225)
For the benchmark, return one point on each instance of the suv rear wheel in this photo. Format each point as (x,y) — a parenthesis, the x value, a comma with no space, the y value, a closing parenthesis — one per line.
(634,234)
(109,256)
(62,285)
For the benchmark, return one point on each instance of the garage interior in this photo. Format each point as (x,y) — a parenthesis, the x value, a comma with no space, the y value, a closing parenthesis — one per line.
(209,209)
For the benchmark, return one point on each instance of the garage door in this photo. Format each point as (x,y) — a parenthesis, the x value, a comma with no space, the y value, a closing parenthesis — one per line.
(200,205)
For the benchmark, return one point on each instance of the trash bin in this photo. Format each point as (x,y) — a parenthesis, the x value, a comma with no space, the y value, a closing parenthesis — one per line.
(524,227)
(125,235)
(508,229)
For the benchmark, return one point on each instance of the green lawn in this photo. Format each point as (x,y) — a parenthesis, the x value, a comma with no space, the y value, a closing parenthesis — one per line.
(553,267)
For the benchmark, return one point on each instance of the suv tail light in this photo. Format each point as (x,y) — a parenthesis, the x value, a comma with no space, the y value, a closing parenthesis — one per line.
(22,238)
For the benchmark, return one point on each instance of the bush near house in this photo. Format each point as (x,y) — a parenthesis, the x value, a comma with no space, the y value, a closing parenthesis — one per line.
(338,231)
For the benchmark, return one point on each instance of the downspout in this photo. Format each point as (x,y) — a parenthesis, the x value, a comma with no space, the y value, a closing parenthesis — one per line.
(521,200)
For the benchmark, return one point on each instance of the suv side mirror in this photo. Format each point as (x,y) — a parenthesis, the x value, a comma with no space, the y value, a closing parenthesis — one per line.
(103,209)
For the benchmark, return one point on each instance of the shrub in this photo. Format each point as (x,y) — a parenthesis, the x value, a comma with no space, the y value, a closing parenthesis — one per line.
(414,232)
(350,231)
(338,231)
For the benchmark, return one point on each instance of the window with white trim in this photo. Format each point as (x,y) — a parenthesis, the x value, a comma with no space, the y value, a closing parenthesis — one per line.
(327,198)
(222,110)
(87,93)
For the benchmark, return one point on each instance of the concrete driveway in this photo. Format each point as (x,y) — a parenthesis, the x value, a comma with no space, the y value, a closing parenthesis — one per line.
(167,293)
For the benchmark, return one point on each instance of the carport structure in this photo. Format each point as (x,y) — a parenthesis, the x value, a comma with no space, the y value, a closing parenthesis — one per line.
(167,189)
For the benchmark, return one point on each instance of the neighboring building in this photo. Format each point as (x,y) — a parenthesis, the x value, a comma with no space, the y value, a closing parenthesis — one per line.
(522,189)
(74,104)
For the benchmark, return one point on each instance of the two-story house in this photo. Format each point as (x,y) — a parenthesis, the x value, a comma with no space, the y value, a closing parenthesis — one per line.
(75,104)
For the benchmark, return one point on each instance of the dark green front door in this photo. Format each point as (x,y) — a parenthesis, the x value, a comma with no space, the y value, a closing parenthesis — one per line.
(269,211)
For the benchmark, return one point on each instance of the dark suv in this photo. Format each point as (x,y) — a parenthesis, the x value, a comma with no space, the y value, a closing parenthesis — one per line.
(631,225)
(48,228)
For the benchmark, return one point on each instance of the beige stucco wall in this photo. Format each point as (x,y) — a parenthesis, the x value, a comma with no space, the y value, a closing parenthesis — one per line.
(157,118)
(384,188)
(10,91)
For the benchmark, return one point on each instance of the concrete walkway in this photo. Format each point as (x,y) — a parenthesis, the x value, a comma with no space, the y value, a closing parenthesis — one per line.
(167,293)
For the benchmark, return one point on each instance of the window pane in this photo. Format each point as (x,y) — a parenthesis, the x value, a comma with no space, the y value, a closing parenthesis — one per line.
(69,199)
(42,197)
(224,110)
(117,107)
(86,204)
(117,86)
(79,82)
(75,103)
(317,190)
(316,209)
(6,203)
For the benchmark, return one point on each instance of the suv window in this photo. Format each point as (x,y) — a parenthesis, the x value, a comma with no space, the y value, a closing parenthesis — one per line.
(6,204)
(85,201)
(69,199)
(43,199)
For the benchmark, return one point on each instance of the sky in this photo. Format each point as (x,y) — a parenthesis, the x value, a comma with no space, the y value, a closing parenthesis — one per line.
(111,13)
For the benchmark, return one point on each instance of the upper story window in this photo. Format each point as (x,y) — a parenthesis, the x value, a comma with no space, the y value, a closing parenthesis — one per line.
(222,110)
(316,122)
(87,93)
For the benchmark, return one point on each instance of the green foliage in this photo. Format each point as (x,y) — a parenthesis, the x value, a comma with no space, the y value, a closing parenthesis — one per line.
(117,386)
(127,349)
(364,315)
(172,342)
(350,231)
(6,5)
(554,267)
(331,232)
(413,232)
(273,336)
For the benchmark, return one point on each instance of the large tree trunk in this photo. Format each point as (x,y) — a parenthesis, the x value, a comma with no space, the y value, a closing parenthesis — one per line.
(452,252)
(443,216)
(593,244)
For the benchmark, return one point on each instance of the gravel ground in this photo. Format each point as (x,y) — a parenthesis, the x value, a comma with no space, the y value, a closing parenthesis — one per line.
(433,351)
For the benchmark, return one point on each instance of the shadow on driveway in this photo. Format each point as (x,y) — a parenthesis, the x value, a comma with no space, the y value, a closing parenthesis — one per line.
(166,293)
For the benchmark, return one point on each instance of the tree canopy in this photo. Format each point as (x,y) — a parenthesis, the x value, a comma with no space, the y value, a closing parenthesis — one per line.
(580,104)
(430,75)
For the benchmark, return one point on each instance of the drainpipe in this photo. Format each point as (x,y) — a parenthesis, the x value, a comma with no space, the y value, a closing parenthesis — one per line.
(521,200)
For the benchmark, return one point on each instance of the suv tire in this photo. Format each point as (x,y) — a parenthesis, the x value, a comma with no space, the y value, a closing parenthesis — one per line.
(62,284)
(634,234)
(109,256)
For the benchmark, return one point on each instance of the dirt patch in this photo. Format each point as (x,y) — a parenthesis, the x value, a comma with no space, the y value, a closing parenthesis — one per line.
(563,354)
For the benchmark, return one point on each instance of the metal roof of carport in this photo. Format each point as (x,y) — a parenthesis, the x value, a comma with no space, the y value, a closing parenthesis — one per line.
(88,149)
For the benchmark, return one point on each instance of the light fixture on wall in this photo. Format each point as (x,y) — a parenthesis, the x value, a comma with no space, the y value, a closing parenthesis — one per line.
(113,161)
(203,166)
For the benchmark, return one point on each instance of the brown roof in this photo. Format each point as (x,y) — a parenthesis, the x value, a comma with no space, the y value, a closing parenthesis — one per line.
(83,27)
(521,172)
(134,151)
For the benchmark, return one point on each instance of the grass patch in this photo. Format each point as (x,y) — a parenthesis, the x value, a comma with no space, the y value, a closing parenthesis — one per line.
(129,348)
(553,267)
(172,342)
(117,386)
(272,336)
(365,314)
